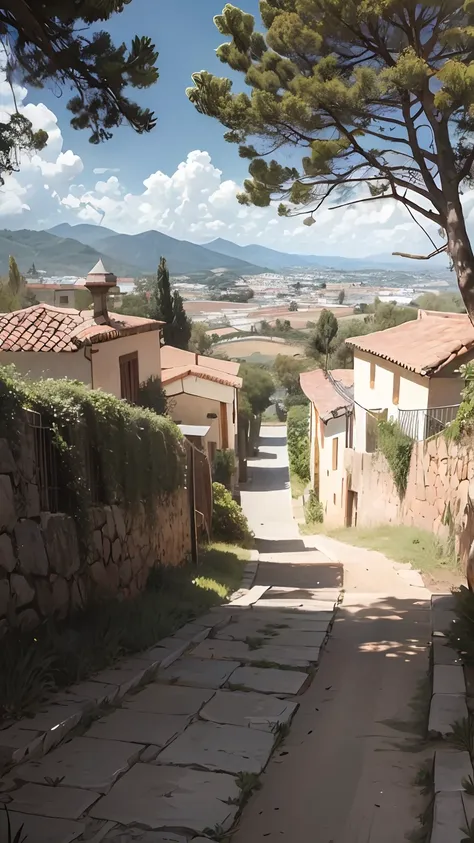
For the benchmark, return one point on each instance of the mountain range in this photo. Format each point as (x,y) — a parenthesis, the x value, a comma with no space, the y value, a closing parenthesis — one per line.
(74,249)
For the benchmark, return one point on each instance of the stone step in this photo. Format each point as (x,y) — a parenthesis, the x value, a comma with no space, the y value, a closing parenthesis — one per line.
(448,679)
(445,709)
(448,818)
(451,767)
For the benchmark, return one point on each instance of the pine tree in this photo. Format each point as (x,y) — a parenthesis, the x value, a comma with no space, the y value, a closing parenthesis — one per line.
(16,282)
(51,42)
(181,324)
(377,96)
(168,307)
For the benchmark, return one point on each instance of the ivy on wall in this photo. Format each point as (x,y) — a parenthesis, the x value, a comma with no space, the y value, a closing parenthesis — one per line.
(136,455)
(396,447)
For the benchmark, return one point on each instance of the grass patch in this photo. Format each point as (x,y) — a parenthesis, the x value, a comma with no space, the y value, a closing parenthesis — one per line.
(57,654)
(417,547)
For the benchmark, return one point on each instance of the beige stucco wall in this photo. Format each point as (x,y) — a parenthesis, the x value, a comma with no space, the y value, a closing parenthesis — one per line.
(331,485)
(105,360)
(192,398)
(413,395)
(48,364)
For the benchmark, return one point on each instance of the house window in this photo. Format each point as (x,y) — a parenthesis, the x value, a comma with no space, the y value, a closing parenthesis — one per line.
(63,299)
(129,381)
(372,374)
(396,389)
(335,445)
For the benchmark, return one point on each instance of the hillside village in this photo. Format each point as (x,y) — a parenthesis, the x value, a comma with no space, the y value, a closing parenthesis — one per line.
(236,422)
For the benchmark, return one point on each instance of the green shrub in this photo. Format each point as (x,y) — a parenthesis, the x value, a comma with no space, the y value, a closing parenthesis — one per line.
(396,447)
(298,441)
(463,423)
(223,467)
(314,511)
(461,634)
(152,396)
(229,523)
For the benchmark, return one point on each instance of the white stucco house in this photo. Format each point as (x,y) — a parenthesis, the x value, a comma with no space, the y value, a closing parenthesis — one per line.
(104,350)
(203,391)
(410,374)
(330,434)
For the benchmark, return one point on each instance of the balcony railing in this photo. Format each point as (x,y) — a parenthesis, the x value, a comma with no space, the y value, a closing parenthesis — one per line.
(421,424)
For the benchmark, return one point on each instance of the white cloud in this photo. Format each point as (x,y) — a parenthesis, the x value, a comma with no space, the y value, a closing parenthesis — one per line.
(195,203)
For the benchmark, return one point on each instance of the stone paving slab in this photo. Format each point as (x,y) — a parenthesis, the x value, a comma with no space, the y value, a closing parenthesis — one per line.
(443,601)
(94,692)
(142,727)
(448,818)
(161,797)
(40,829)
(296,605)
(257,711)
(451,767)
(250,597)
(211,746)
(445,709)
(169,699)
(448,679)
(189,630)
(441,621)
(83,762)
(200,673)
(468,804)
(269,680)
(443,654)
(255,628)
(297,619)
(291,656)
(62,802)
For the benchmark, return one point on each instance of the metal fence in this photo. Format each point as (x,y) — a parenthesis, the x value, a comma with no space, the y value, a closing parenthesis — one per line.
(421,424)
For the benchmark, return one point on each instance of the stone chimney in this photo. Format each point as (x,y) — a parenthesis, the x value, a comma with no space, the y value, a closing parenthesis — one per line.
(99,282)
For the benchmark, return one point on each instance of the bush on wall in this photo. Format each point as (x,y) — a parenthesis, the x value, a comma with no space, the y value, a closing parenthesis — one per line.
(136,455)
(298,441)
(396,447)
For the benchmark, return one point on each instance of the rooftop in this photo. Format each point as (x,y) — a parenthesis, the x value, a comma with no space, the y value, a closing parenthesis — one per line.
(43,327)
(193,370)
(171,356)
(423,346)
(330,393)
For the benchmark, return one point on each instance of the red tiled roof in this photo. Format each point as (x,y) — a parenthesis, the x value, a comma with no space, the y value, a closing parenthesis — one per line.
(171,356)
(423,346)
(43,327)
(321,392)
(177,372)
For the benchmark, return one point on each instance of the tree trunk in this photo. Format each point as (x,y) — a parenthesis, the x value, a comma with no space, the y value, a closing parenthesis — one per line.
(460,250)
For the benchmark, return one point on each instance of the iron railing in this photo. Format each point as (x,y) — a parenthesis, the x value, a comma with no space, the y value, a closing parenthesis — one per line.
(421,424)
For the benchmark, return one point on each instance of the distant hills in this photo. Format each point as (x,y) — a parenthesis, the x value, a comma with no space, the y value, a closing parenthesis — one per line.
(282,260)
(144,250)
(74,249)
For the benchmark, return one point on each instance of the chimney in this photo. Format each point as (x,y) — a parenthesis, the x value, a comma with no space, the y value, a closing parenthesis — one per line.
(99,282)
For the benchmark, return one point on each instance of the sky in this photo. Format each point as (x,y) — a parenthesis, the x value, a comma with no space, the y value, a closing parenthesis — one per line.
(182,178)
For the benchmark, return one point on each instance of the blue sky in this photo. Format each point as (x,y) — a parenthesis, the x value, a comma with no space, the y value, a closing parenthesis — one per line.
(186,37)
(182,178)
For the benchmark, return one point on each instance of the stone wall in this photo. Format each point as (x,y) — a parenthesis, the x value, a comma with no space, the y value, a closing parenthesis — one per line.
(43,569)
(439,495)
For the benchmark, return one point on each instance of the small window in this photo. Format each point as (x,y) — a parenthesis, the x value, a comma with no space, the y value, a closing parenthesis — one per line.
(372,375)
(335,446)
(63,299)
(129,381)
(396,389)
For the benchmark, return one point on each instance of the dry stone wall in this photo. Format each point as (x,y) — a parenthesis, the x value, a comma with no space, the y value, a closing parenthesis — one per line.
(44,569)
(439,495)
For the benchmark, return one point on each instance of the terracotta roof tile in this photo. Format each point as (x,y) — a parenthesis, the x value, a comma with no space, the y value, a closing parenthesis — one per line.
(322,392)
(43,327)
(423,346)
(171,356)
(174,373)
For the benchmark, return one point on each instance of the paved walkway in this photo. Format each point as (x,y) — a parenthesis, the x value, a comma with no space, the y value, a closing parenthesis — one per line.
(346,771)
(177,759)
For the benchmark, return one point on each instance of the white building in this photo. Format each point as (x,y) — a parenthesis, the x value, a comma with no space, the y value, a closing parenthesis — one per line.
(330,434)
(410,374)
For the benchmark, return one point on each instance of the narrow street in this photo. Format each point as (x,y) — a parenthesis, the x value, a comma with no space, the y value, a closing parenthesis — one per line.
(346,771)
